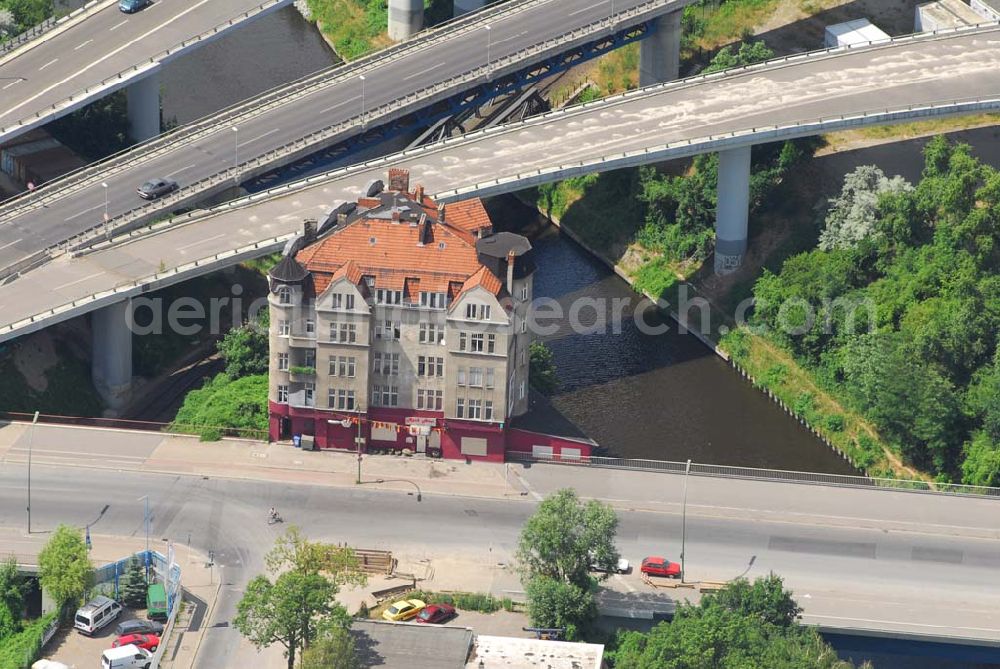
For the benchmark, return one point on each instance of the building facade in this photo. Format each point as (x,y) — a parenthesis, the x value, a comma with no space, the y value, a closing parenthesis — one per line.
(401,324)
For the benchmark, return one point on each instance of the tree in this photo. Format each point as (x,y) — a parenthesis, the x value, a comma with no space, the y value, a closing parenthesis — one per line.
(852,216)
(565,536)
(245,350)
(300,605)
(557,604)
(289,611)
(982,461)
(333,649)
(64,567)
(732,629)
(133,585)
(542,369)
(13,587)
(747,54)
(292,550)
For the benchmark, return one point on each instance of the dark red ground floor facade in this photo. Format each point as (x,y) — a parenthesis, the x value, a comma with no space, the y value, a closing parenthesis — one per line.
(385,429)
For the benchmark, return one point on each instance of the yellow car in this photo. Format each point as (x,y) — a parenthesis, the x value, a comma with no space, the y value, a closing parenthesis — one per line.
(403,610)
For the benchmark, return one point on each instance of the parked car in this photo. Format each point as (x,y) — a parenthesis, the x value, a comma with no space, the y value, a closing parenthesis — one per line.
(48,664)
(622,567)
(155,188)
(148,641)
(132,6)
(139,627)
(126,657)
(660,566)
(403,610)
(436,614)
(99,612)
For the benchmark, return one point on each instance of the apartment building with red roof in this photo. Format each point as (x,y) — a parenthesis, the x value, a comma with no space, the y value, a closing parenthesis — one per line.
(402,324)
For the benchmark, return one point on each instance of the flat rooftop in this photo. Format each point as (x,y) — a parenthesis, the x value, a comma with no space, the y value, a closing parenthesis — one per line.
(504,652)
(951,13)
(413,646)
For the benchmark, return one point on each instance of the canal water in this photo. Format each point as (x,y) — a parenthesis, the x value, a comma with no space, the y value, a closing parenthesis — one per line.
(657,396)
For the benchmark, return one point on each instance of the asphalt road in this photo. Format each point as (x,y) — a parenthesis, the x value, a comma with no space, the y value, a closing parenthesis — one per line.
(28,231)
(66,62)
(678,119)
(844,576)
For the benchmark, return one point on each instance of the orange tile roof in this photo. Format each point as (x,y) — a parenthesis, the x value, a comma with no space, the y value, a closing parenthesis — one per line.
(485,278)
(396,254)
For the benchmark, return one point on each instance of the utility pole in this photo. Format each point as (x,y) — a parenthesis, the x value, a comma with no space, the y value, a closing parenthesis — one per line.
(236,156)
(362,78)
(357,442)
(31,439)
(145,518)
(684,515)
(489,50)
(107,217)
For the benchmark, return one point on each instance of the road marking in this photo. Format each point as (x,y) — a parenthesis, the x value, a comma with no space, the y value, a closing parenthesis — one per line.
(13,83)
(200,241)
(507,39)
(9,244)
(77,48)
(177,17)
(85,211)
(339,104)
(86,278)
(117,25)
(269,132)
(51,62)
(423,71)
(37,451)
(179,171)
(586,9)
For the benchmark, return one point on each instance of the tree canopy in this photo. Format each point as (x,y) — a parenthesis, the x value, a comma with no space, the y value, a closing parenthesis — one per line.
(743,625)
(898,309)
(64,567)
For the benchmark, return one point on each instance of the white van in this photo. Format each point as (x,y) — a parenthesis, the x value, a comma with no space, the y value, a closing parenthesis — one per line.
(95,614)
(126,657)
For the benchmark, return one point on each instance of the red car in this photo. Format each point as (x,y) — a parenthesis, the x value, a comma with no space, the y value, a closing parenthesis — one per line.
(436,613)
(660,566)
(148,641)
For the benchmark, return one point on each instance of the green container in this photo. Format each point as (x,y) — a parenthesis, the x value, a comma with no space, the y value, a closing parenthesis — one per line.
(156,602)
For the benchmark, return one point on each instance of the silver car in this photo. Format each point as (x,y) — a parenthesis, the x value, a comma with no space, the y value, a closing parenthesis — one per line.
(155,188)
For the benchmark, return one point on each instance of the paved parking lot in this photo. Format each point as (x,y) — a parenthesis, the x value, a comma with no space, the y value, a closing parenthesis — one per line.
(82,652)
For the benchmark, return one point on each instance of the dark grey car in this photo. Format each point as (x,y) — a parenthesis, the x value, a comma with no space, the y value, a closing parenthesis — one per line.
(155,188)
(139,627)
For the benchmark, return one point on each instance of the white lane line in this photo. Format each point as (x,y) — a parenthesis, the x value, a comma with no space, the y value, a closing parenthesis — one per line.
(77,48)
(9,244)
(259,137)
(86,278)
(200,241)
(111,54)
(423,71)
(339,104)
(85,211)
(52,452)
(586,9)
(507,39)
(51,62)
(175,172)
(117,25)
(13,83)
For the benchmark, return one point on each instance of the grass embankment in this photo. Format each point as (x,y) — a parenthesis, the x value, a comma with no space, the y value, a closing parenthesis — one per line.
(357,27)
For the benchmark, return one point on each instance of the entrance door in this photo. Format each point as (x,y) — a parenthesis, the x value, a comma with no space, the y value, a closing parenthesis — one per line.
(286,429)
(421,443)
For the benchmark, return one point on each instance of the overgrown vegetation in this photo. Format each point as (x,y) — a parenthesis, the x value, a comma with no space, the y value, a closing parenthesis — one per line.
(465,601)
(98,130)
(225,406)
(743,625)
(897,310)
(25,13)
(542,369)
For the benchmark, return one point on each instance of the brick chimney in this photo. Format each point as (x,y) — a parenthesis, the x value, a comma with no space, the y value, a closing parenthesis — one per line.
(418,193)
(309,230)
(395,216)
(399,180)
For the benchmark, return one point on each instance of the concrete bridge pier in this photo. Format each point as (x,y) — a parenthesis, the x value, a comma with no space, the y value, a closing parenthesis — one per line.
(733,209)
(406,18)
(660,52)
(111,360)
(466,6)
(144,108)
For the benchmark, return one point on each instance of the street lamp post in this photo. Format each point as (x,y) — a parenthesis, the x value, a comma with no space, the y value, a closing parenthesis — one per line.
(145,519)
(107,218)
(489,50)
(31,439)
(684,511)
(362,78)
(412,483)
(236,154)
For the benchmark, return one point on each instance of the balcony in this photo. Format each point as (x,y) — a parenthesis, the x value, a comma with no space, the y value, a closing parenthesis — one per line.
(302,340)
(302,374)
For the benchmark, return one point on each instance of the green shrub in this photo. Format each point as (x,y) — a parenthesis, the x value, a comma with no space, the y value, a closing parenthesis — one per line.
(21,650)
(834,423)
(804,404)
(466,601)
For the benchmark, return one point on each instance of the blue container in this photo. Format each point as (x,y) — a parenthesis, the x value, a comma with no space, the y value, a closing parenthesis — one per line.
(297,440)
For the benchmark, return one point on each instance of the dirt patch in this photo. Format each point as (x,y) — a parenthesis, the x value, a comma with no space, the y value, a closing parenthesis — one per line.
(34,357)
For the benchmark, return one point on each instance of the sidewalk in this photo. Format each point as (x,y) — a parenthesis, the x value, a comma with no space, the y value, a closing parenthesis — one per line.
(200,586)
